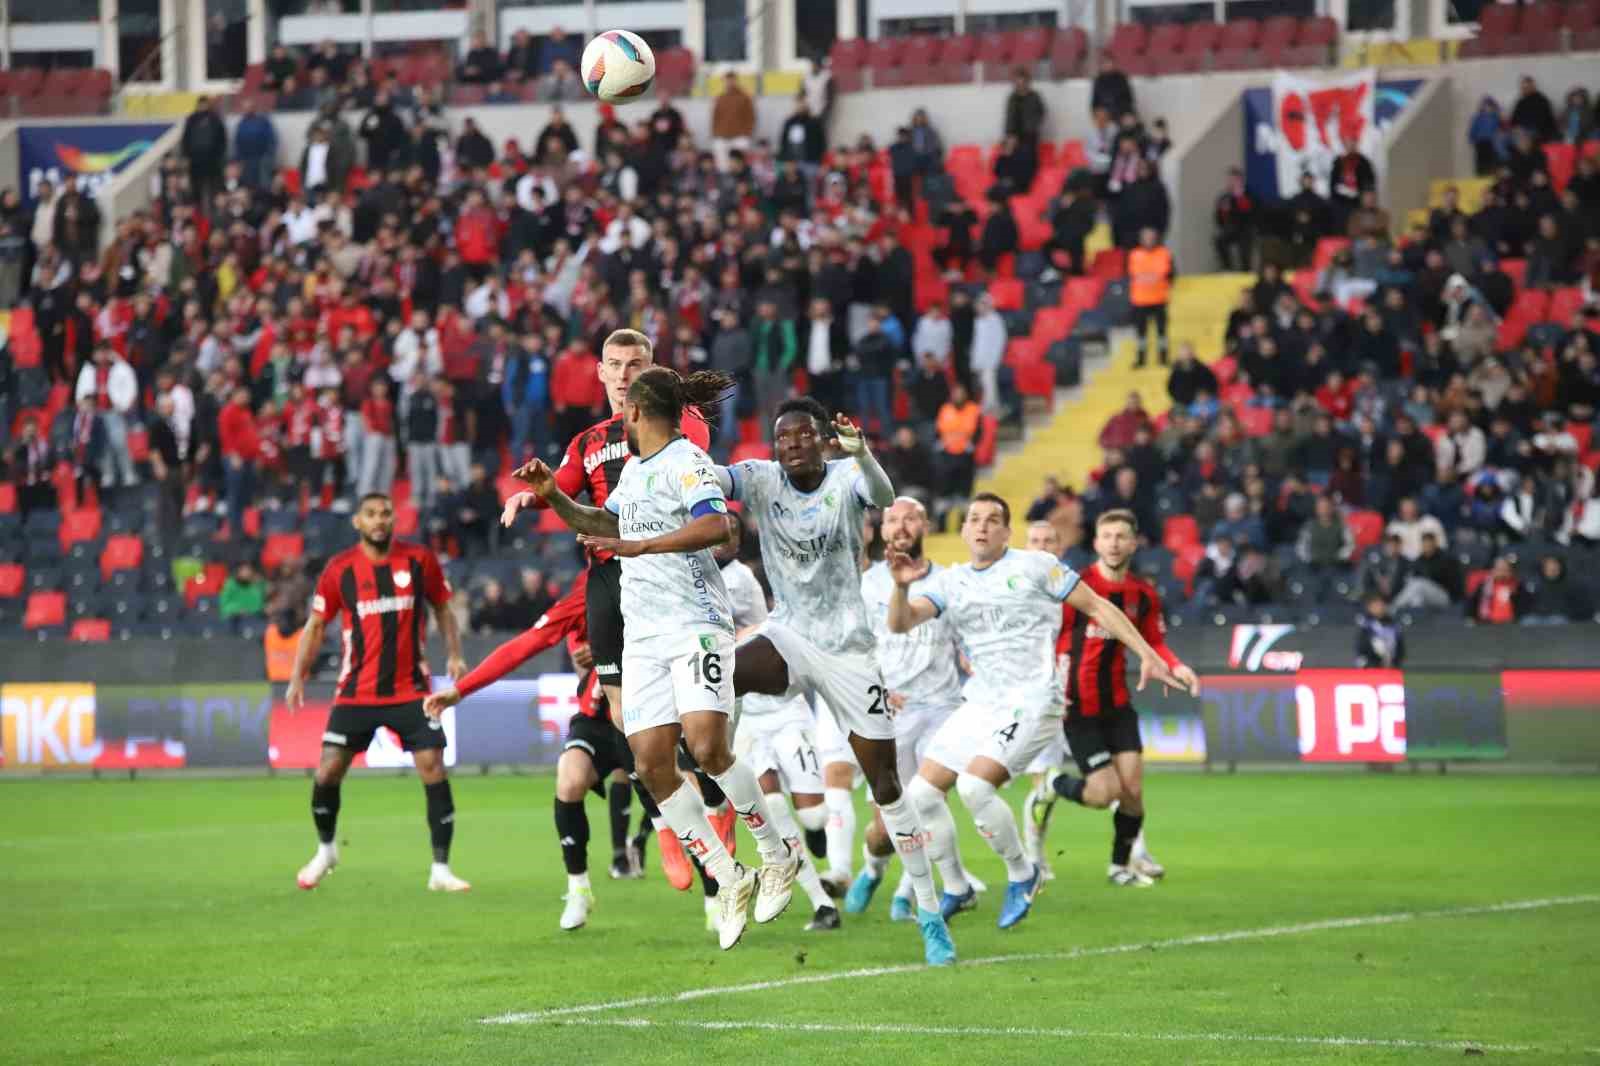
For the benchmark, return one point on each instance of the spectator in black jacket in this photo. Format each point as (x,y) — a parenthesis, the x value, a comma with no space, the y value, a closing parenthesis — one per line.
(205,146)
(473,148)
(384,133)
(1111,89)
(1000,234)
(1070,225)
(1553,598)
(802,138)
(1235,217)
(482,64)
(1379,642)
(1532,112)
(1189,377)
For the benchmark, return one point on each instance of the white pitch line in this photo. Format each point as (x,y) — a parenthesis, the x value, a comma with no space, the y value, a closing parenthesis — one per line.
(1198,939)
(862,1029)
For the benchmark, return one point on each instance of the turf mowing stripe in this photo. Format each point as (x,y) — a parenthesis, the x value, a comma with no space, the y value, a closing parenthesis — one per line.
(1198,939)
(1399,1043)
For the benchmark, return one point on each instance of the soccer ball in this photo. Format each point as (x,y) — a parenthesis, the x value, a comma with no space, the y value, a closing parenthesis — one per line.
(618,66)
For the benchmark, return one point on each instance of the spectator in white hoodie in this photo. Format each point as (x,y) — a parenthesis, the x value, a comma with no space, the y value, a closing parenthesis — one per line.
(988,352)
(114,387)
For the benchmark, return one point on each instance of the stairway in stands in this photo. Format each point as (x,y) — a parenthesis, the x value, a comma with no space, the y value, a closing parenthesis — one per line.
(1065,442)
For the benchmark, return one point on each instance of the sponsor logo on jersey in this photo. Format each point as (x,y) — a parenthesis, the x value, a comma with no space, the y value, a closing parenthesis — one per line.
(384,604)
(615,450)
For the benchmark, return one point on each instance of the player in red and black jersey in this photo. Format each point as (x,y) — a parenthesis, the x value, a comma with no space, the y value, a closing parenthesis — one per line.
(1101,726)
(595,748)
(380,588)
(591,466)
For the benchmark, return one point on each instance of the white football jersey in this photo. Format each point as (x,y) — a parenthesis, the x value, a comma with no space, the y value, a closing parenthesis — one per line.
(810,544)
(679,592)
(746,595)
(919,665)
(1007,617)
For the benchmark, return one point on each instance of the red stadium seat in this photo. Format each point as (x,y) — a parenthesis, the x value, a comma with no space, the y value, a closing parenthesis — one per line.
(848,60)
(1497,25)
(1583,26)
(883,59)
(994,52)
(757,450)
(13,578)
(1109,264)
(280,547)
(1128,41)
(1068,51)
(124,551)
(1516,270)
(957,55)
(1366,527)
(8,497)
(406,520)
(1561,160)
(1082,293)
(919,63)
(1200,40)
(1187,562)
(1257,421)
(90,630)
(1237,47)
(1007,294)
(1564,306)
(78,526)
(45,608)
(1538,30)
(1180,530)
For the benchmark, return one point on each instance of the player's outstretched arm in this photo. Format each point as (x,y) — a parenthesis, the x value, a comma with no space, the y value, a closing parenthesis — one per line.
(1109,617)
(879,488)
(310,640)
(905,613)
(707,531)
(580,519)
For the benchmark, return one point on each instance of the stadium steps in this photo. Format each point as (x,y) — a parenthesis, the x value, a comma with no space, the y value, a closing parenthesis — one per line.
(1066,443)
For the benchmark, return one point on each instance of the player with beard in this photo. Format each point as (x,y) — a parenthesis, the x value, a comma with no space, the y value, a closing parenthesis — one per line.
(378,587)
(818,640)
(591,466)
(663,518)
(1102,727)
(1005,608)
(924,689)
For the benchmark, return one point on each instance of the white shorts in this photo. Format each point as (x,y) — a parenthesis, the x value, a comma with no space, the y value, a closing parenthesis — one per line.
(776,742)
(832,744)
(848,682)
(664,678)
(914,730)
(1055,754)
(1007,737)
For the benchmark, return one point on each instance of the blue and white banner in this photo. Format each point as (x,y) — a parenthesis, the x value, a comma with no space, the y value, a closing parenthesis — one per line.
(1301,124)
(93,154)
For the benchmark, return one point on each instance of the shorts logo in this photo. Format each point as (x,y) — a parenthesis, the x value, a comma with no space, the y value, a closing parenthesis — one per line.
(434,723)
(708,642)
(1099,758)
(335,738)
(402,579)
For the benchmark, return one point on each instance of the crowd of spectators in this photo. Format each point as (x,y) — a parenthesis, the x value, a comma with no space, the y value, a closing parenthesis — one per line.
(407,299)
(1373,434)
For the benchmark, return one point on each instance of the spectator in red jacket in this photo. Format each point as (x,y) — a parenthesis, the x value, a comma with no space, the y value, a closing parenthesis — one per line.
(575,391)
(1501,599)
(377,440)
(1121,427)
(240,444)
(477,235)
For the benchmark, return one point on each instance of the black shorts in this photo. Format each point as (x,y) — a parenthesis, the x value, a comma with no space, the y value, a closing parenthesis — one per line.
(351,726)
(604,742)
(1094,740)
(603,605)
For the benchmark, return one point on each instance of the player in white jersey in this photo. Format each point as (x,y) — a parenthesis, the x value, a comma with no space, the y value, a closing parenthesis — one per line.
(924,689)
(1005,607)
(773,736)
(818,639)
(665,515)
(1042,537)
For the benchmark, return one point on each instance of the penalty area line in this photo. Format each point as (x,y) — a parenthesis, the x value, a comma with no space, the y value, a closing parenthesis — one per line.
(1029,1032)
(1195,940)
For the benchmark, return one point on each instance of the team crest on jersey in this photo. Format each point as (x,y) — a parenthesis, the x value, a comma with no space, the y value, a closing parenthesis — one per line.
(402,579)
(1014,582)
(650,483)
(830,499)
(707,642)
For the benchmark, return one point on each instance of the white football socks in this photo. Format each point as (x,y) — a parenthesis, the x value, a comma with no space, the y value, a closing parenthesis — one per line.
(840,831)
(686,815)
(744,792)
(934,811)
(995,821)
(906,832)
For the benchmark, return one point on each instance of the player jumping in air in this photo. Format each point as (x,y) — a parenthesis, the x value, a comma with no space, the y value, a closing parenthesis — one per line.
(925,689)
(594,747)
(818,640)
(1004,606)
(1102,728)
(379,587)
(592,466)
(663,518)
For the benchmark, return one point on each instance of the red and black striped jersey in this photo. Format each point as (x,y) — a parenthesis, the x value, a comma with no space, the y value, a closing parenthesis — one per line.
(384,620)
(594,459)
(566,620)
(1093,660)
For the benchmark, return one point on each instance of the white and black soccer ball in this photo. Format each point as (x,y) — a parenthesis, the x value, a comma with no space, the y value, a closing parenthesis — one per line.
(618,66)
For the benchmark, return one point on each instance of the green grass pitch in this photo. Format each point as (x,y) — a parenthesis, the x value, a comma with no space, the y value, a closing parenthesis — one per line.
(157,921)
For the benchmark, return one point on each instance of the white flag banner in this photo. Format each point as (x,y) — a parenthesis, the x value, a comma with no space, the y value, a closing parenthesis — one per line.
(1314,119)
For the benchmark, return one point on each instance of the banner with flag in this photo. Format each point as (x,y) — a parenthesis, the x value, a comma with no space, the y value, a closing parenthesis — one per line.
(1304,122)
(94,154)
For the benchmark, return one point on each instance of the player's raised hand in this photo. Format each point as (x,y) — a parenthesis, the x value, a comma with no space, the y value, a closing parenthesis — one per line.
(537,476)
(515,504)
(437,703)
(622,549)
(902,567)
(851,440)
